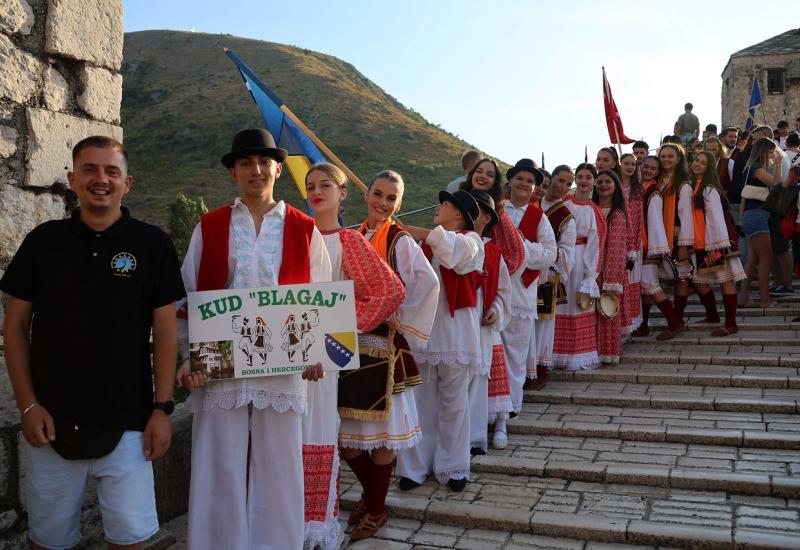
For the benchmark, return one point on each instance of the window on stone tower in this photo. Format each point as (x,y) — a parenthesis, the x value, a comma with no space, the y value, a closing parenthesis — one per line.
(775,81)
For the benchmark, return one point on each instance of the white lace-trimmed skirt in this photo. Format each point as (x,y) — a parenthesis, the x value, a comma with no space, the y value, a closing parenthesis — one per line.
(401,431)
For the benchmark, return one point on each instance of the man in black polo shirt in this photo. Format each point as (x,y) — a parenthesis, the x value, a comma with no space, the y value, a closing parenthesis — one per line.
(84,294)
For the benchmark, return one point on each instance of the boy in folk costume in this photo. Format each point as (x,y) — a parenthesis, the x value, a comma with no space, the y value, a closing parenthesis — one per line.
(563,223)
(255,242)
(519,337)
(494,300)
(456,253)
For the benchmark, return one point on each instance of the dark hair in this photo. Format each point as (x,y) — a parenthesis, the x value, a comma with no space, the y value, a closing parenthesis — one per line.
(681,173)
(546,174)
(561,168)
(636,185)
(761,150)
(641,145)
(671,139)
(587,166)
(488,229)
(617,199)
(783,124)
(729,129)
(688,107)
(101,142)
(496,192)
(711,128)
(710,179)
(468,157)
(793,140)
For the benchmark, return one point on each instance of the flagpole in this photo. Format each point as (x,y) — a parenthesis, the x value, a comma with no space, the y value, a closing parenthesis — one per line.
(543,168)
(324,148)
(585,153)
(616,135)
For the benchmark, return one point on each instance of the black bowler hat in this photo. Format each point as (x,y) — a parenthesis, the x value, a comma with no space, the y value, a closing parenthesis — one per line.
(526,165)
(465,203)
(485,202)
(253,141)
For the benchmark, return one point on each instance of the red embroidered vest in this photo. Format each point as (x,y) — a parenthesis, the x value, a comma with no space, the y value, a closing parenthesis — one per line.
(295,263)
(558,215)
(529,227)
(491,269)
(461,290)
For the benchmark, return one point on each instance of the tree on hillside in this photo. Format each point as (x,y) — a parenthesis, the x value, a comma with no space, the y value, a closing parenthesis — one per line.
(184,215)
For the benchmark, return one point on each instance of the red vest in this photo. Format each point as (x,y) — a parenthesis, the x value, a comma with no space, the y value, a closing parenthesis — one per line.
(491,269)
(529,227)
(558,215)
(295,263)
(460,290)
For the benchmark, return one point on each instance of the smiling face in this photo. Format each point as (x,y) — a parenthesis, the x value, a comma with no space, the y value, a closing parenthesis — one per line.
(668,158)
(559,186)
(650,169)
(100,179)
(584,181)
(604,160)
(521,187)
(323,193)
(383,200)
(484,176)
(255,175)
(699,165)
(628,166)
(605,187)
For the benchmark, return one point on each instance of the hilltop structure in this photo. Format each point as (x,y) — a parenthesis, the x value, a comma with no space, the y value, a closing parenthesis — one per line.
(776,64)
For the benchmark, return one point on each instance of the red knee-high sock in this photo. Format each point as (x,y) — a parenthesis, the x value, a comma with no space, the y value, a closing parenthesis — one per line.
(380,475)
(680,305)
(673,321)
(646,312)
(710,303)
(729,301)
(361,467)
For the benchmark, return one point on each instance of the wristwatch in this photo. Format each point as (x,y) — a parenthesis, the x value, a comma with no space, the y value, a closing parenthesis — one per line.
(166,406)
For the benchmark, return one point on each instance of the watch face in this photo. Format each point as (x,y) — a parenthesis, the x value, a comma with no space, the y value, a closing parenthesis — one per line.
(166,406)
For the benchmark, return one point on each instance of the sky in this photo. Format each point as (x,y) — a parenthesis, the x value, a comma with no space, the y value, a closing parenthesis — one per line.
(514,78)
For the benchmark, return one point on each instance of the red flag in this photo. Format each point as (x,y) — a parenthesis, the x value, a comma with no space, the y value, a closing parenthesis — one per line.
(615,132)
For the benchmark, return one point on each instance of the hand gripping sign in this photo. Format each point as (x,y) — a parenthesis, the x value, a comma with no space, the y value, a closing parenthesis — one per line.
(250,332)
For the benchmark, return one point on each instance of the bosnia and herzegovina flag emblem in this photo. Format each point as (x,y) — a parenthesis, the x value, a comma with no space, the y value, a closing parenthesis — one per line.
(340,347)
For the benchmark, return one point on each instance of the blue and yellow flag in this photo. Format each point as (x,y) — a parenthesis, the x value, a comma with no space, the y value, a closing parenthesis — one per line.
(302,151)
(755,101)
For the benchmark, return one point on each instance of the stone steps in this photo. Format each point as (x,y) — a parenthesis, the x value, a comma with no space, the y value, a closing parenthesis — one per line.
(696,310)
(687,374)
(745,323)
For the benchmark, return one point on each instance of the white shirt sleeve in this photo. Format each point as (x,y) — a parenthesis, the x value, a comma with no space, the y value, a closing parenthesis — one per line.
(542,254)
(566,250)
(502,302)
(716,231)
(590,259)
(461,252)
(686,217)
(656,234)
(319,258)
(416,313)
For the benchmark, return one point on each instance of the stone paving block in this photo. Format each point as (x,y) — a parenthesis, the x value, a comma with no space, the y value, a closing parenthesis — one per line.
(750,483)
(478,516)
(601,444)
(678,401)
(611,399)
(539,542)
(691,423)
(772,440)
(643,433)
(397,529)
(587,429)
(672,378)
(739,425)
(378,544)
(777,468)
(579,526)
(581,471)
(536,427)
(708,436)
(641,458)
(638,475)
(761,381)
(768,524)
(725,403)
(571,455)
(709,379)
(756,511)
(746,539)
(403,506)
(508,465)
(786,487)
(650,532)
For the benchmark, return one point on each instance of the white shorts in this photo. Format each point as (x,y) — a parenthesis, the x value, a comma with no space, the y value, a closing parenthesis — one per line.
(55,490)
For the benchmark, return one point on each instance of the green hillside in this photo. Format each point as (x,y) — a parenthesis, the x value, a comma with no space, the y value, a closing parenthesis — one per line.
(183,100)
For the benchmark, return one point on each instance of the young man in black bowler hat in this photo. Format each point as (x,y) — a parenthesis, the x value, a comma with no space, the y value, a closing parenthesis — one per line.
(84,294)
(247,483)
(456,254)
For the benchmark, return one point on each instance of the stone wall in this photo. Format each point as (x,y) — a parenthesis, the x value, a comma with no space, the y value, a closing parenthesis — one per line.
(737,84)
(59,83)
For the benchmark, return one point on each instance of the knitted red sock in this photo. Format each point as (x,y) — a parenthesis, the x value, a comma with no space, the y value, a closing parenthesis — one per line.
(680,305)
(646,312)
(380,475)
(673,321)
(361,467)
(729,302)
(710,303)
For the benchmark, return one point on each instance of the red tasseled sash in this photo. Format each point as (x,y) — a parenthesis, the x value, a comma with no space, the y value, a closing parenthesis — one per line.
(295,264)
(491,268)
(461,290)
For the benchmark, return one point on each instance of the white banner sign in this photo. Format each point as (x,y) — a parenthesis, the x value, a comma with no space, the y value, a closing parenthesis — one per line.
(249,332)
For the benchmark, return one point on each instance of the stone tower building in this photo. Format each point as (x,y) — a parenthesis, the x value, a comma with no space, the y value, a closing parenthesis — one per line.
(776,64)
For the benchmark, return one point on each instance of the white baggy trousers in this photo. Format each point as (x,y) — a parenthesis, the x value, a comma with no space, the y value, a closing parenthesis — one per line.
(227,511)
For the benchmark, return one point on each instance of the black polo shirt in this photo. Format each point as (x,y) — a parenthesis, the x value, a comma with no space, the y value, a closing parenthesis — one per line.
(93,296)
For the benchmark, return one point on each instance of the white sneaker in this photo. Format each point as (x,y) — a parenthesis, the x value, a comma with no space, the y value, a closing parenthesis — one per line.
(499,440)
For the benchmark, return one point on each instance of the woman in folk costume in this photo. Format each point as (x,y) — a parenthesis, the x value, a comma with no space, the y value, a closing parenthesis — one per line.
(650,170)
(378,293)
(715,253)
(369,445)
(575,345)
(247,432)
(489,404)
(632,192)
(563,224)
(608,159)
(658,237)
(675,170)
(453,352)
(608,195)
(519,336)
